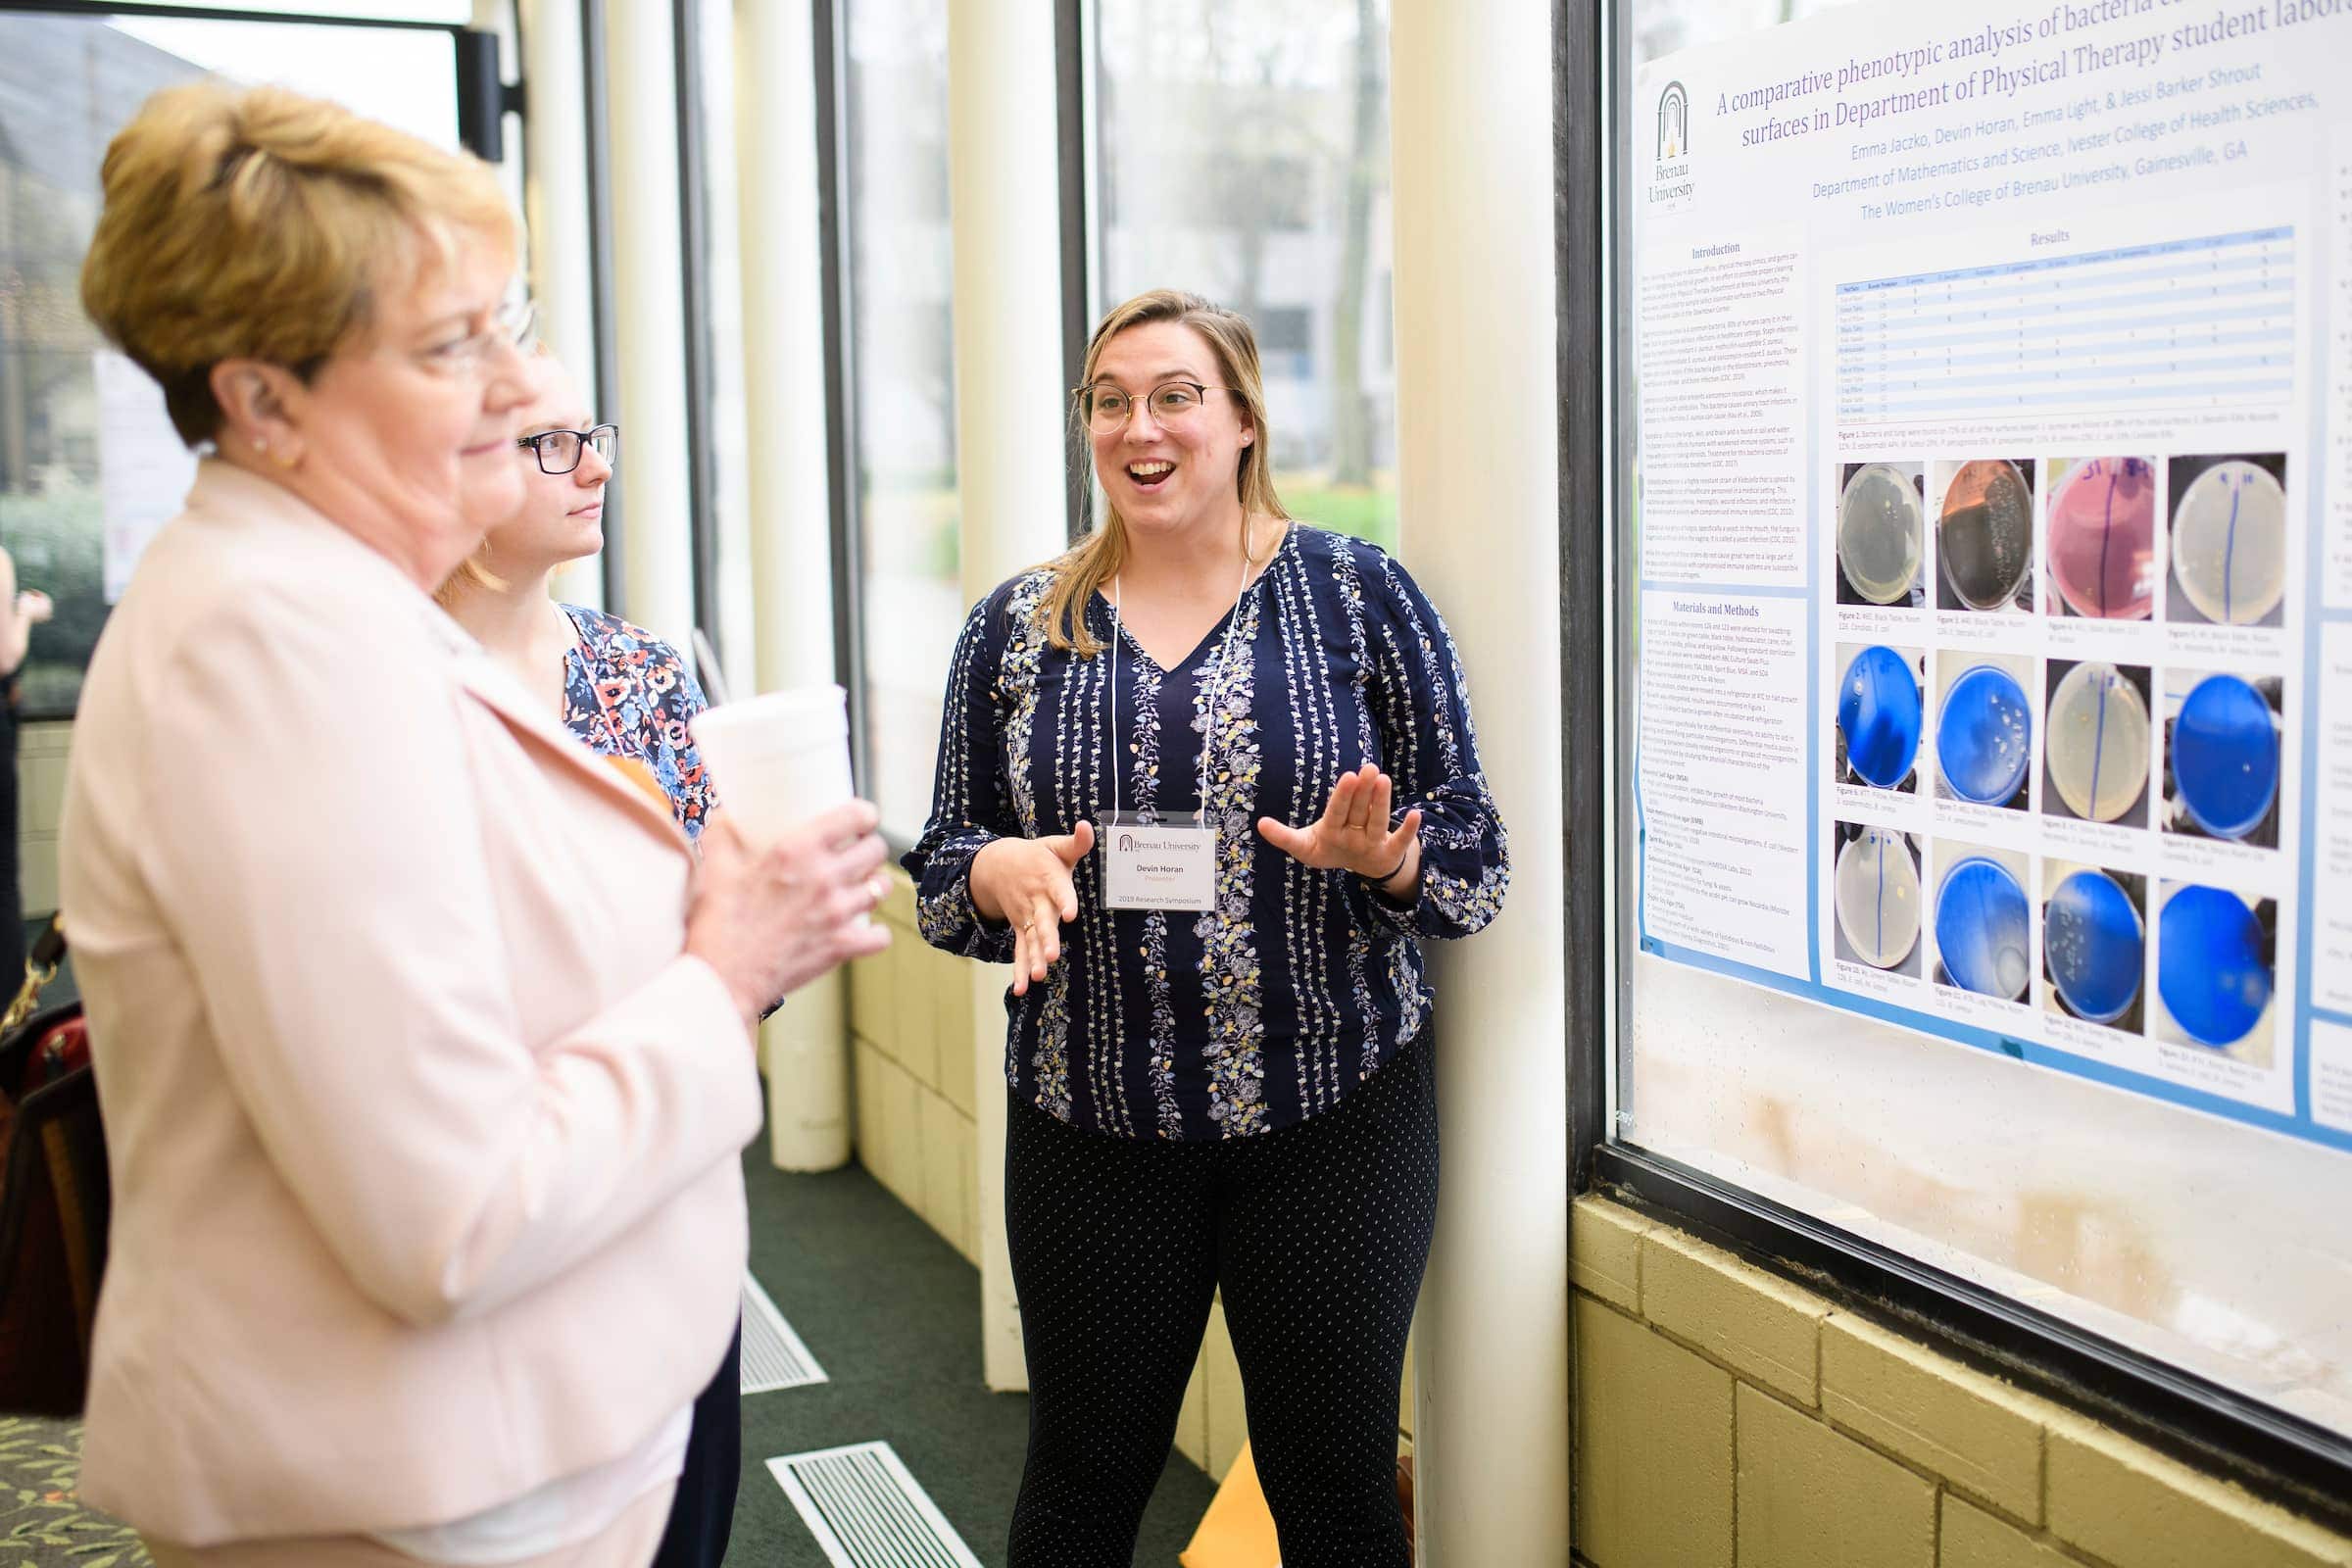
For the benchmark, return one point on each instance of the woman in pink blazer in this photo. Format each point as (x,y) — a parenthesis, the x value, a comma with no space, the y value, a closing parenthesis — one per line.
(425,1047)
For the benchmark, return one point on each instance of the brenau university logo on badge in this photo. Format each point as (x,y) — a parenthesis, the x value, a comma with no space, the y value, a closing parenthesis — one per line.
(1670,183)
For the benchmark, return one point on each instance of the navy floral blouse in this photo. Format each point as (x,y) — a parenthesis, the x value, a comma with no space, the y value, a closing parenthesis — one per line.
(628,693)
(1270,1008)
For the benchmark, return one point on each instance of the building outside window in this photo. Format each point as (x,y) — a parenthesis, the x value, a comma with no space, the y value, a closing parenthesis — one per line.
(1243,154)
(89,466)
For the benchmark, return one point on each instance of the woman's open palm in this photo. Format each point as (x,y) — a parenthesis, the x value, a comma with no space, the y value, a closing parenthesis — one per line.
(1353,833)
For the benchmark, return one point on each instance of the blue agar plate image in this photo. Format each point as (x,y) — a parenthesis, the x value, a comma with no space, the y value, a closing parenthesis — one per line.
(2096,945)
(1983,736)
(1878,710)
(2209,965)
(1982,928)
(2226,756)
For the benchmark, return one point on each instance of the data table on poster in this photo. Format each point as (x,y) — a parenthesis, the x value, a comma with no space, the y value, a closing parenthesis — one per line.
(2198,323)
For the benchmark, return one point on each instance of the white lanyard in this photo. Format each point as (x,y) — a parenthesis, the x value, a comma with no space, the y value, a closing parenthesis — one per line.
(1209,683)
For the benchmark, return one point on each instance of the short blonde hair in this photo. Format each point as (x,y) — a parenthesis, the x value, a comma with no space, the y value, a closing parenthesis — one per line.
(254,222)
(1080,574)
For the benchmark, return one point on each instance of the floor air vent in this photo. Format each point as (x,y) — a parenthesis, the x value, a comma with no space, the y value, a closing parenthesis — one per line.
(774,1356)
(866,1512)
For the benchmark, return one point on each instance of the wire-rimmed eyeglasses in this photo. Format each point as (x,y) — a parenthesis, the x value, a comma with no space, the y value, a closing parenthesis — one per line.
(1106,408)
(515,321)
(559,451)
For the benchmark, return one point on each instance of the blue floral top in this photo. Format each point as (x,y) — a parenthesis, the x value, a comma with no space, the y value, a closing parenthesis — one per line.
(628,693)
(1269,1008)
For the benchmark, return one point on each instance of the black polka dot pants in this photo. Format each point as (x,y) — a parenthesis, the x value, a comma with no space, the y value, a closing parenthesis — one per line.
(1317,1235)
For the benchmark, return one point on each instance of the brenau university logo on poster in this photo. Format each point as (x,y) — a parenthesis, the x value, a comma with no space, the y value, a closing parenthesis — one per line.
(1670,183)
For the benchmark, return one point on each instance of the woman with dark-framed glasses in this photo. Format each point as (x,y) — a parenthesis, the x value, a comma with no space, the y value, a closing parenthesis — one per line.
(1208,781)
(626,695)
(622,690)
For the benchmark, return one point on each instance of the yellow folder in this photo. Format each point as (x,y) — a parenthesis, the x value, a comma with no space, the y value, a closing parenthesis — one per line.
(1237,1532)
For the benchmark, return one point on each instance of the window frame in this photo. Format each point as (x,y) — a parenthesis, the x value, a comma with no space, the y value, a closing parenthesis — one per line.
(1080,169)
(700,349)
(193,13)
(603,303)
(836,282)
(2273,1452)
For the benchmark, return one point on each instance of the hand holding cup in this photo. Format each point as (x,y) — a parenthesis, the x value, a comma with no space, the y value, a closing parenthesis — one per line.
(773,914)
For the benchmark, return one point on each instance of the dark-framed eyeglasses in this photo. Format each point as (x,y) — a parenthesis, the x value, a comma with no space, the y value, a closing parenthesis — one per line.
(1106,408)
(559,451)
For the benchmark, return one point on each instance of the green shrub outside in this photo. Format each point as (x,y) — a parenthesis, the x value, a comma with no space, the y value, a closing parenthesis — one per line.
(58,541)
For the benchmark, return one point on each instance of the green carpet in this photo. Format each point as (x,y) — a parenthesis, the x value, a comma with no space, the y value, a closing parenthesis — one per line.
(893,1315)
(43,1524)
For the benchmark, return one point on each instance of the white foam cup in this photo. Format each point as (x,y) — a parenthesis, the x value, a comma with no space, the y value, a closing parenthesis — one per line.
(778,758)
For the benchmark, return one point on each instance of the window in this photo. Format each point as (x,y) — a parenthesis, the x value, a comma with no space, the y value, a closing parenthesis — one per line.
(1244,155)
(723,563)
(89,466)
(902,371)
(1934,931)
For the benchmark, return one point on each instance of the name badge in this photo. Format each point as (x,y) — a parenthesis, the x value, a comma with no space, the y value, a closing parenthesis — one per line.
(1159,865)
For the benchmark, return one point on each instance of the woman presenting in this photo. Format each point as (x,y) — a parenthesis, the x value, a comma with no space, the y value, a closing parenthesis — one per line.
(1208,781)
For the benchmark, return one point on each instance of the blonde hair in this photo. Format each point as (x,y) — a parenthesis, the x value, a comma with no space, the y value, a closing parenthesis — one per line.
(1080,574)
(252,222)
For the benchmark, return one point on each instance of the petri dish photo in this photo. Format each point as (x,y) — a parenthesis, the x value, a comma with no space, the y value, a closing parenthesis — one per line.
(1984,737)
(1877,897)
(2095,946)
(2226,755)
(2210,968)
(1985,535)
(1879,533)
(2230,543)
(2103,538)
(1982,928)
(2096,745)
(1878,710)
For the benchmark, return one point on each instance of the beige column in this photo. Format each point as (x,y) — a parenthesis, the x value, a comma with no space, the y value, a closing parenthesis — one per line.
(649,300)
(1478,497)
(1003,191)
(555,206)
(806,1045)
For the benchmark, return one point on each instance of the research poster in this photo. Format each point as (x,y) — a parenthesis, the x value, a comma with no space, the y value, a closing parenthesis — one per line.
(1993,380)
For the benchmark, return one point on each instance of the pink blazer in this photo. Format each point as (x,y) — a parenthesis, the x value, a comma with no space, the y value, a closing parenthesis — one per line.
(423,1129)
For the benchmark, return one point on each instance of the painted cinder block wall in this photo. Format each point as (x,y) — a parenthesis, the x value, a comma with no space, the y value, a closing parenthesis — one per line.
(913,1039)
(1727,1417)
